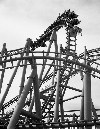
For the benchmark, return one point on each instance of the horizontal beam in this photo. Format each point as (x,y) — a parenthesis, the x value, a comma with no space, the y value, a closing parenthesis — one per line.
(72,88)
(45,90)
(64,124)
(52,58)
(71,98)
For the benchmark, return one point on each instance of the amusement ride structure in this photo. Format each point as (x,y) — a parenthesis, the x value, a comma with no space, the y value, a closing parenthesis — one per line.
(44,81)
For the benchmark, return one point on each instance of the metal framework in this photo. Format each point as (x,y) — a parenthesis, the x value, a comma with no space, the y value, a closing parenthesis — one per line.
(44,80)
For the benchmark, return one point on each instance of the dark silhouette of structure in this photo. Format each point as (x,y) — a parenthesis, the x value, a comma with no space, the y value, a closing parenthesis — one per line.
(46,90)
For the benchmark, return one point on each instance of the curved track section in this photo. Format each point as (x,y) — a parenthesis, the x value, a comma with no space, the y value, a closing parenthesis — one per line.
(42,80)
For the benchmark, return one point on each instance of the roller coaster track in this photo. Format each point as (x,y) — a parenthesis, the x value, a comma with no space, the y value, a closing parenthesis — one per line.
(63,20)
(50,88)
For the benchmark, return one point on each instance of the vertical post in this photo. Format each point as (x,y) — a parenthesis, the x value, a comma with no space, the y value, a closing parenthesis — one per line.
(82,99)
(82,107)
(85,54)
(21,101)
(62,110)
(55,62)
(56,109)
(2,75)
(87,97)
(61,96)
(37,96)
(24,69)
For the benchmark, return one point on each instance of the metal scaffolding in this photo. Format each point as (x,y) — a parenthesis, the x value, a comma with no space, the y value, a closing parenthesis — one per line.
(44,80)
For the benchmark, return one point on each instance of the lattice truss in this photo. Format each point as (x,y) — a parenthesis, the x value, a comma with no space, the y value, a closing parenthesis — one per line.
(35,80)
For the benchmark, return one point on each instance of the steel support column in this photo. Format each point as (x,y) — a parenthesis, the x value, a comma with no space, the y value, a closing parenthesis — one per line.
(56,110)
(3,71)
(62,111)
(24,69)
(37,96)
(82,99)
(21,101)
(82,106)
(87,97)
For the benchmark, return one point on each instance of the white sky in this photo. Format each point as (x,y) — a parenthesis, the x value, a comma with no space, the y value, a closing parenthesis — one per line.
(22,19)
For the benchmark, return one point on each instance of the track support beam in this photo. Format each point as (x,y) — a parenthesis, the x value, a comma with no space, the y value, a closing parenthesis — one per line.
(56,111)
(87,97)
(21,102)
(37,96)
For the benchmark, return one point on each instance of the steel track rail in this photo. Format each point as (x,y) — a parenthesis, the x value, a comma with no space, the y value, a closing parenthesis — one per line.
(52,58)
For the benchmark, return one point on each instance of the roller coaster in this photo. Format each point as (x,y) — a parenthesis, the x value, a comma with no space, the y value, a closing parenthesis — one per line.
(44,81)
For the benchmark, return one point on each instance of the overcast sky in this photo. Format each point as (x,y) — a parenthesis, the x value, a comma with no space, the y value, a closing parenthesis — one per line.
(22,19)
